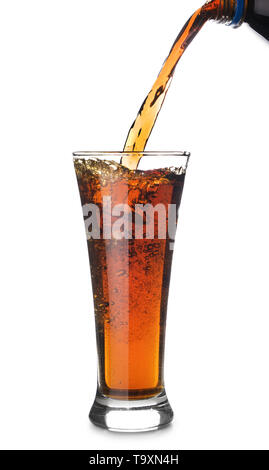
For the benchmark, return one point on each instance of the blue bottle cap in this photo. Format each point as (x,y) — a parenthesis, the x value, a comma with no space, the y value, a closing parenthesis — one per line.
(240,4)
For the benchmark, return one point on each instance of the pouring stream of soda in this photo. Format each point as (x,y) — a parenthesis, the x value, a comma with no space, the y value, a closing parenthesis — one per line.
(141,128)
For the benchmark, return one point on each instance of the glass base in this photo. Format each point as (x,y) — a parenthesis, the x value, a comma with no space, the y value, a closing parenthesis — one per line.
(131,415)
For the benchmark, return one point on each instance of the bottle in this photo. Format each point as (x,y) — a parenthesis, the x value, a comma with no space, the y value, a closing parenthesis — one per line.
(257,16)
(253,12)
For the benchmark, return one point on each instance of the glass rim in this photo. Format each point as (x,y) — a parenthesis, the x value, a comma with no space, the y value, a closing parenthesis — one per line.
(151,153)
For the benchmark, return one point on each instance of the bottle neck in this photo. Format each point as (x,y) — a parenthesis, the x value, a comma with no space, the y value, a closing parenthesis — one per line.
(232,12)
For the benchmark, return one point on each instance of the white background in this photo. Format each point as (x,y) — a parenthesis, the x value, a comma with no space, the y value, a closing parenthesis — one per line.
(73,75)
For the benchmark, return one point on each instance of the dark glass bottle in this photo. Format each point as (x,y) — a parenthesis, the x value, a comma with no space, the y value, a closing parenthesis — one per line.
(253,12)
(257,16)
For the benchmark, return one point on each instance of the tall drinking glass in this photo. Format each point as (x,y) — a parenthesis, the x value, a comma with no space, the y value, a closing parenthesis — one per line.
(130,219)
